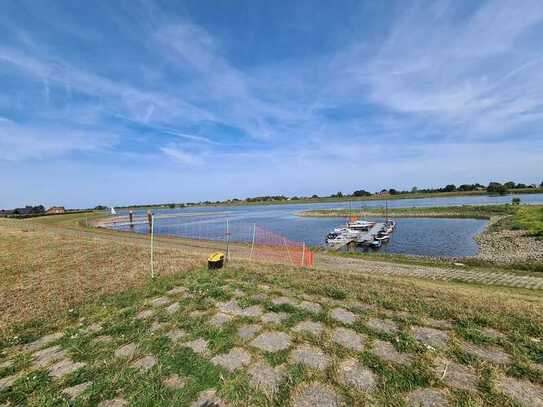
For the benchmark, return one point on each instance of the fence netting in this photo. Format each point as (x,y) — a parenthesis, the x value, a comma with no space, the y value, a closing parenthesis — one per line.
(57,268)
(239,239)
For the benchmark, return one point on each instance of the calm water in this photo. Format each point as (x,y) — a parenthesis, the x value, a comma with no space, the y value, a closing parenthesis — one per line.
(419,236)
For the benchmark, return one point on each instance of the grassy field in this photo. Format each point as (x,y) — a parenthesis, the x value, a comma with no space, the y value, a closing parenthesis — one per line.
(377,340)
(465,211)
(415,195)
(529,219)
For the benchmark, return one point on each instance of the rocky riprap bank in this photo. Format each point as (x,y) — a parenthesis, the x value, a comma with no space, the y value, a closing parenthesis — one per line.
(508,246)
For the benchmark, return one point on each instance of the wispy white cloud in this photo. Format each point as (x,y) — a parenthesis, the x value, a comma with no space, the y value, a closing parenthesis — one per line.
(22,142)
(181,156)
(431,85)
(477,74)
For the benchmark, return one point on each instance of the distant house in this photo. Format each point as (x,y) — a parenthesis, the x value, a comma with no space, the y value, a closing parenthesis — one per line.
(55,210)
(27,210)
(383,192)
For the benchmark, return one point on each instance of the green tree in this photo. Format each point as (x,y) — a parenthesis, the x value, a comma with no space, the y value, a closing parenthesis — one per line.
(361,192)
(496,188)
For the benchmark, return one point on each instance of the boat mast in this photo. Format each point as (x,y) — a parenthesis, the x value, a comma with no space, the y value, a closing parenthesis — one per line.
(386,210)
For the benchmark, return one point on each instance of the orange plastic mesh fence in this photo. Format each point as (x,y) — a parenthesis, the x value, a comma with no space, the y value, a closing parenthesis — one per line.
(271,246)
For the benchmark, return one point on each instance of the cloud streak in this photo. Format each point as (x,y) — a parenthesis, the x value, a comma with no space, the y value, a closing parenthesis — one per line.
(177,90)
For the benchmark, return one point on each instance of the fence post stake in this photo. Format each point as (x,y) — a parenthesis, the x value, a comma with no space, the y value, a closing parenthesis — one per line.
(288,252)
(227,241)
(152,244)
(253,243)
(303,254)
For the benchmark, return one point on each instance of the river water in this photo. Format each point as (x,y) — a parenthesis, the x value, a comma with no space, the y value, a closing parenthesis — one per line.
(418,236)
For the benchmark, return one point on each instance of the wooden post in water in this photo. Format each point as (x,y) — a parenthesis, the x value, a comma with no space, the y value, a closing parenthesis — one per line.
(131,218)
(150,220)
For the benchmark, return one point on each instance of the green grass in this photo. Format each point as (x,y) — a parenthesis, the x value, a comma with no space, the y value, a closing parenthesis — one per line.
(464,211)
(410,195)
(514,312)
(530,219)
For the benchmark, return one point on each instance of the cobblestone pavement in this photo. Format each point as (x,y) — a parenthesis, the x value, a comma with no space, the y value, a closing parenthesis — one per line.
(332,353)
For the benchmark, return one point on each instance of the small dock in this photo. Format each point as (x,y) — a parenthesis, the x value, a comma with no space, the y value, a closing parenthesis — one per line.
(362,239)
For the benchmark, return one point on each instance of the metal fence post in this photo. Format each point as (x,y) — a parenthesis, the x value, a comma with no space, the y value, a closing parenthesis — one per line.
(253,243)
(152,246)
(227,241)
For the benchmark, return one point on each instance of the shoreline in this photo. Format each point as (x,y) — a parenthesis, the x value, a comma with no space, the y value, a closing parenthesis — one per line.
(497,246)
(465,211)
(380,198)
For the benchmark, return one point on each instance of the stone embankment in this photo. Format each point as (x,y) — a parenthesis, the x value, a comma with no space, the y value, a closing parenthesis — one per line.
(508,246)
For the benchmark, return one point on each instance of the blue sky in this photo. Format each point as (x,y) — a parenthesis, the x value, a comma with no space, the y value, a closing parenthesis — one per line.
(119,102)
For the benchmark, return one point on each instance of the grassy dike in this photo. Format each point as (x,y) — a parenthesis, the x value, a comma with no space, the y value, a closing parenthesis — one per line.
(465,211)
(473,320)
(410,195)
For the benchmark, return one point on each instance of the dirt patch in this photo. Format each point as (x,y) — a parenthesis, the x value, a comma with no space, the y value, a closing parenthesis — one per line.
(343,316)
(522,391)
(176,335)
(43,341)
(145,314)
(383,325)
(310,306)
(491,354)
(233,360)
(248,331)
(127,351)
(434,338)
(174,382)
(144,364)
(265,378)
(310,356)
(173,308)
(75,391)
(387,352)
(314,328)
(160,301)
(274,317)
(353,374)
(48,355)
(177,291)
(118,402)
(198,346)
(285,300)
(316,394)
(271,341)
(348,339)
(426,398)
(218,320)
(64,367)
(455,375)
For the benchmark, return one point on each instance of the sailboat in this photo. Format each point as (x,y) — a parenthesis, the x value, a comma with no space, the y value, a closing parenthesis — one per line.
(113,211)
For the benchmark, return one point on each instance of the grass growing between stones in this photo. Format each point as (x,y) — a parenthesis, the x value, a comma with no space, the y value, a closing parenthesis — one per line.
(514,316)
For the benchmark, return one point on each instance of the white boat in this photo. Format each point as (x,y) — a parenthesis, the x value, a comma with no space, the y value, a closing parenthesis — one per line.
(113,211)
(348,232)
(339,239)
(361,224)
(383,238)
(376,244)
